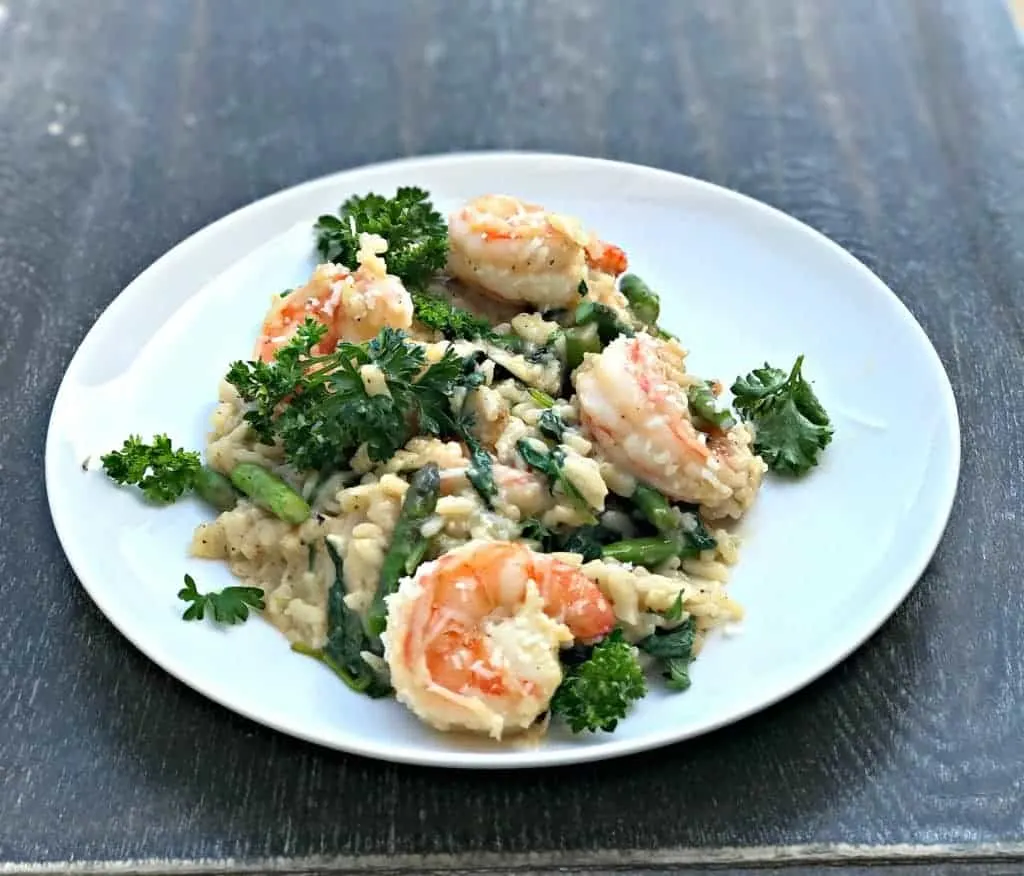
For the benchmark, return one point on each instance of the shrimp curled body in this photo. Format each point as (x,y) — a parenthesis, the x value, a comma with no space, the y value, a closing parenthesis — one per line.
(521,253)
(353,305)
(473,637)
(632,398)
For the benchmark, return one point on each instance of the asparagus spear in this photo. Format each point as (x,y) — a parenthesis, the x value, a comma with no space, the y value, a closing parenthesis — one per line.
(704,406)
(685,530)
(407,542)
(655,508)
(215,489)
(580,339)
(643,300)
(269,491)
(642,551)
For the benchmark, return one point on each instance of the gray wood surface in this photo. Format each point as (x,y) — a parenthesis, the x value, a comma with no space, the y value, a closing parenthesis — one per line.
(894,126)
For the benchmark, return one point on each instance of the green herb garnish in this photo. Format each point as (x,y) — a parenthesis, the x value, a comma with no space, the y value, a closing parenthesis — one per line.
(161,472)
(228,606)
(791,427)
(599,692)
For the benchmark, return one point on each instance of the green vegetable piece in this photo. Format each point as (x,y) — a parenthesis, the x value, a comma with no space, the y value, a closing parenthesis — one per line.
(580,340)
(551,425)
(790,425)
(320,411)
(587,541)
(598,693)
(346,641)
(416,233)
(533,529)
(407,542)
(215,489)
(480,470)
(643,300)
(675,611)
(655,509)
(551,466)
(695,534)
(704,408)
(229,606)
(674,649)
(270,492)
(609,326)
(646,552)
(161,472)
(453,322)
(541,397)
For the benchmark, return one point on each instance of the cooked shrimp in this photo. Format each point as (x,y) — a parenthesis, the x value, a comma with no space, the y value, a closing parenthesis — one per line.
(354,305)
(517,251)
(473,637)
(632,398)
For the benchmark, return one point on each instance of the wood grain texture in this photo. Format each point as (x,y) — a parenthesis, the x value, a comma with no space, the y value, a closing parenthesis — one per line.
(893,126)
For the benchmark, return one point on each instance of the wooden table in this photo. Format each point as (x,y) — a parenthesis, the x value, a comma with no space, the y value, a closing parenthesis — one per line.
(893,126)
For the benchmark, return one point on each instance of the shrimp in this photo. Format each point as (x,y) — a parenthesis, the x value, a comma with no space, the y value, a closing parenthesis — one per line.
(520,252)
(353,305)
(473,637)
(632,398)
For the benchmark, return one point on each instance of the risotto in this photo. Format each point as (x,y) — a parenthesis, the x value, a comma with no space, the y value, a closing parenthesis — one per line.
(466,467)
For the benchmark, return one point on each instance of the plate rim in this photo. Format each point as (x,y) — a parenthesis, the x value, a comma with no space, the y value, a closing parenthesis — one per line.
(512,758)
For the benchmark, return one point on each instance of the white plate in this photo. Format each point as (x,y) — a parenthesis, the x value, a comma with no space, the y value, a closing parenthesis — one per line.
(825,562)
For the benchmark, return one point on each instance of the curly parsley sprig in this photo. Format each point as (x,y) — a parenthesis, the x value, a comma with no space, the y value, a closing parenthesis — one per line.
(161,472)
(319,407)
(416,233)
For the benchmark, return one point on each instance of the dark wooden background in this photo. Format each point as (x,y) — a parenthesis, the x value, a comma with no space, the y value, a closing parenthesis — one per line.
(894,126)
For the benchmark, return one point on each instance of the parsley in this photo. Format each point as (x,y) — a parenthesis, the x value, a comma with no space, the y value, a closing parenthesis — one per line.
(597,693)
(790,425)
(416,233)
(453,322)
(318,406)
(230,606)
(161,472)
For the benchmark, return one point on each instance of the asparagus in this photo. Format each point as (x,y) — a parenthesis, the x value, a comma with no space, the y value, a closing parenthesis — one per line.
(686,529)
(215,489)
(656,509)
(704,407)
(541,397)
(642,551)
(407,542)
(643,300)
(270,492)
(579,340)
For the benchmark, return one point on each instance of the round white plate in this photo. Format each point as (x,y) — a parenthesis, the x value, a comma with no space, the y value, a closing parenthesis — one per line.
(826,560)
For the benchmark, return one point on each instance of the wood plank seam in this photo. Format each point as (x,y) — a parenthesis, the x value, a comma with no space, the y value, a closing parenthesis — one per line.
(636,860)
